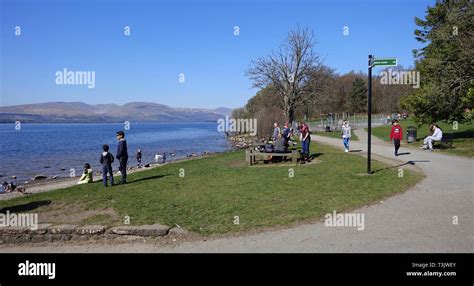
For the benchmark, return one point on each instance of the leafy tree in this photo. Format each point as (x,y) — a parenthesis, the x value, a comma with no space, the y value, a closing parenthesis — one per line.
(446,63)
(358,96)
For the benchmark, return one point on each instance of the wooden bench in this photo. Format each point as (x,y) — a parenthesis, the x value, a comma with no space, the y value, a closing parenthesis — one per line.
(445,143)
(252,155)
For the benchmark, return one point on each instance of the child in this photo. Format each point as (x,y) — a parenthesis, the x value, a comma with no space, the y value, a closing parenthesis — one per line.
(396,135)
(122,155)
(346,135)
(87,175)
(139,157)
(106,159)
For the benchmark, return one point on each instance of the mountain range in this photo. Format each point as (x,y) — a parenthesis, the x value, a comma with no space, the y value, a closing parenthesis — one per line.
(79,112)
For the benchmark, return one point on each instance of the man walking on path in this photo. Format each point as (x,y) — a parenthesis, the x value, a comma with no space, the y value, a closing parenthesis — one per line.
(122,155)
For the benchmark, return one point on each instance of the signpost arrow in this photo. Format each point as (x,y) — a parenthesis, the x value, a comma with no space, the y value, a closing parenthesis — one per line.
(387,62)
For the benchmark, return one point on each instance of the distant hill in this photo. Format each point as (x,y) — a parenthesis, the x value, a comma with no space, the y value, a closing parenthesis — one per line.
(79,112)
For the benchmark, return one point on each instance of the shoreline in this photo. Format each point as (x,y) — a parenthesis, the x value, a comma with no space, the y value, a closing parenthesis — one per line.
(235,142)
(50,184)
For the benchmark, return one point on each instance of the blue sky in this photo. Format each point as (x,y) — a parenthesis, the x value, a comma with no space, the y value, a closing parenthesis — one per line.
(195,38)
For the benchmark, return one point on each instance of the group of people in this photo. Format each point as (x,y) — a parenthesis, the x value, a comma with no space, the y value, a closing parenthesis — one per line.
(106,160)
(396,135)
(282,139)
(8,187)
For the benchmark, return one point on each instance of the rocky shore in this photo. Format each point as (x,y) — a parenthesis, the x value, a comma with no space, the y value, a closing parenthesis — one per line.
(243,141)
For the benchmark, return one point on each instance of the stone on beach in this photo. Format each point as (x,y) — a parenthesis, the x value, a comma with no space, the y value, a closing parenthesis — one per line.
(39,177)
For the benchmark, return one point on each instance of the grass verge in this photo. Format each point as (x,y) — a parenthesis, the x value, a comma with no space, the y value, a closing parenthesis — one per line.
(214,190)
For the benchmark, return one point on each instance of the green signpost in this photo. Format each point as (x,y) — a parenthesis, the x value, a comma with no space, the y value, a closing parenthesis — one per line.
(388,62)
(373,62)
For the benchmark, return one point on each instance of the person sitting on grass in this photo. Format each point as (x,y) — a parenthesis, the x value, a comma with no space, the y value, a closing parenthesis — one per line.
(106,159)
(86,175)
(436,136)
(346,135)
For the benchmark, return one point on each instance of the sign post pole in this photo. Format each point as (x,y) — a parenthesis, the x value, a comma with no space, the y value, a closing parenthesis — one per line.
(369,115)
(373,62)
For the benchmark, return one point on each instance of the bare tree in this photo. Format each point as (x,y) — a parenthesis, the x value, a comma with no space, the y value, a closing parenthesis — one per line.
(288,69)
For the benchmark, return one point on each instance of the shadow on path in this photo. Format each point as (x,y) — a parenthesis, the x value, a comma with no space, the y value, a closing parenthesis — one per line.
(400,165)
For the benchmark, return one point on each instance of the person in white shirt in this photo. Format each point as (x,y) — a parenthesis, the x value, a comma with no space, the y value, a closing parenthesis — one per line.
(436,136)
(346,135)
(158,157)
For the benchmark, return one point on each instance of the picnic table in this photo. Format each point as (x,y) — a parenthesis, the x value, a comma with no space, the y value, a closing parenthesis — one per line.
(252,155)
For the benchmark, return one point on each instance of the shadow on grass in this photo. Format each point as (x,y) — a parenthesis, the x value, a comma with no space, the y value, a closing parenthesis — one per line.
(149,178)
(400,165)
(315,155)
(25,207)
(354,151)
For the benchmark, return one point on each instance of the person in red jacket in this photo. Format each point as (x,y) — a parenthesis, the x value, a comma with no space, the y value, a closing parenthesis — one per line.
(396,135)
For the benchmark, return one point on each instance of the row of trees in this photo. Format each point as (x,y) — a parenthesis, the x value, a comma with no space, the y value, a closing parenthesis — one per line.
(331,93)
(294,84)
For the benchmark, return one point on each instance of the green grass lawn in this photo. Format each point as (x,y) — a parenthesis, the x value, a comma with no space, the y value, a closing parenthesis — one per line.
(463,137)
(336,134)
(217,188)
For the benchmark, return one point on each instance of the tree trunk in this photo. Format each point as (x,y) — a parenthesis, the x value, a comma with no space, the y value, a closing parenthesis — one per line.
(291,116)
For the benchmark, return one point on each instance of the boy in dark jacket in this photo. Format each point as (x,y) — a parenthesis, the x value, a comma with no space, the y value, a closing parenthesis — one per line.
(122,155)
(396,135)
(106,159)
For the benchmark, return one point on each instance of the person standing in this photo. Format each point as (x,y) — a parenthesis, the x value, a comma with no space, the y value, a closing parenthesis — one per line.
(276,131)
(122,155)
(346,135)
(396,135)
(106,159)
(305,139)
(139,157)
(286,134)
